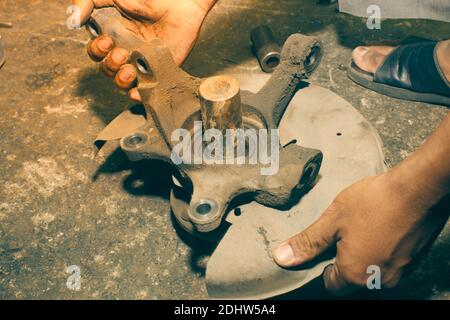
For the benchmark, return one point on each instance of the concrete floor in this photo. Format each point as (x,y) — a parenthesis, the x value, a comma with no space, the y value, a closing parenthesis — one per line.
(59,207)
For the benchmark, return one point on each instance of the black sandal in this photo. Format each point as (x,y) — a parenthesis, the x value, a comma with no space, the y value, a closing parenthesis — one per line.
(410,72)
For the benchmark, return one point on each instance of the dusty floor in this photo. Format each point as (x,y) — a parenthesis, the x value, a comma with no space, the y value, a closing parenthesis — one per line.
(59,207)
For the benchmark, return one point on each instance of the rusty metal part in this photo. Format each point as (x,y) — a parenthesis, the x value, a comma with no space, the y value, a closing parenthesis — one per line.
(267,51)
(220,100)
(172,101)
(266,48)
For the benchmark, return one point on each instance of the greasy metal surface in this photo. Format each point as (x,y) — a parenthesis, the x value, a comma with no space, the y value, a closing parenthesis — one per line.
(242,265)
(171,101)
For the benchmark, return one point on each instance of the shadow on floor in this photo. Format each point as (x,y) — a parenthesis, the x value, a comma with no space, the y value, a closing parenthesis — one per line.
(150,178)
(105,100)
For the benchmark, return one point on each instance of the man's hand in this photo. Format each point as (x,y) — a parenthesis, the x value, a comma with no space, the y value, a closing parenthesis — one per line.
(175,22)
(384,221)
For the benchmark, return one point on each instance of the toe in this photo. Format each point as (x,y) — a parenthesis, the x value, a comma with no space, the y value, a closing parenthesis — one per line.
(368,59)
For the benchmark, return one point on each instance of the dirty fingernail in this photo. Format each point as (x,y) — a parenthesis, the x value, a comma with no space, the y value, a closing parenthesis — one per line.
(284,254)
(105,44)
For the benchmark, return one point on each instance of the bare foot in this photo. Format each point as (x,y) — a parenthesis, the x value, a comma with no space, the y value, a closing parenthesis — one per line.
(370,58)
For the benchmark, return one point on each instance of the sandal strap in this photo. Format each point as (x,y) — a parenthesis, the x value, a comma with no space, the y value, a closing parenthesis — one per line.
(414,67)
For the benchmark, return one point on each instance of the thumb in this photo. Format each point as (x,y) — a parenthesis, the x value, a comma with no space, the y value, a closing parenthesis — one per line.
(308,244)
(85,9)
(87,6)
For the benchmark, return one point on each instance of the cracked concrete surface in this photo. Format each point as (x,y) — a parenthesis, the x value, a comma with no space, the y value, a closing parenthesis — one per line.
(60,207)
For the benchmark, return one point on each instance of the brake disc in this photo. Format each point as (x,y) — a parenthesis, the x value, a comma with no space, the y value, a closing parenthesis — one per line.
(242,267)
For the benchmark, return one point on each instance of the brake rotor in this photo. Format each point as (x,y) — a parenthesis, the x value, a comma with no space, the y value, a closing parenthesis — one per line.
(242,267)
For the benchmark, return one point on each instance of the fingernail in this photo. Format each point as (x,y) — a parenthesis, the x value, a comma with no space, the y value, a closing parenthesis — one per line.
(125,76)
(105,44)
(284,254)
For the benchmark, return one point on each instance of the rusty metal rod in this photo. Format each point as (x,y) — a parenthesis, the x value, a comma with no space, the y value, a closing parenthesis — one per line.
(220,100)
(266,48)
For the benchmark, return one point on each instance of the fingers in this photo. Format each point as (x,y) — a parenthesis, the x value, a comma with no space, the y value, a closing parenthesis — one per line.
(308,244)
(126,77)
(114,61)
(99,48)
(87,6)
(335,282)
(134,95)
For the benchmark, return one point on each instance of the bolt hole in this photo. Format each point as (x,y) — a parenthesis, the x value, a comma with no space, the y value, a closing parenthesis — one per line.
(204,208)
(93,28)
(273,62)
(339,134)
(143,66)
(237,212)
(308,175)
(135,140)
(313,58)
